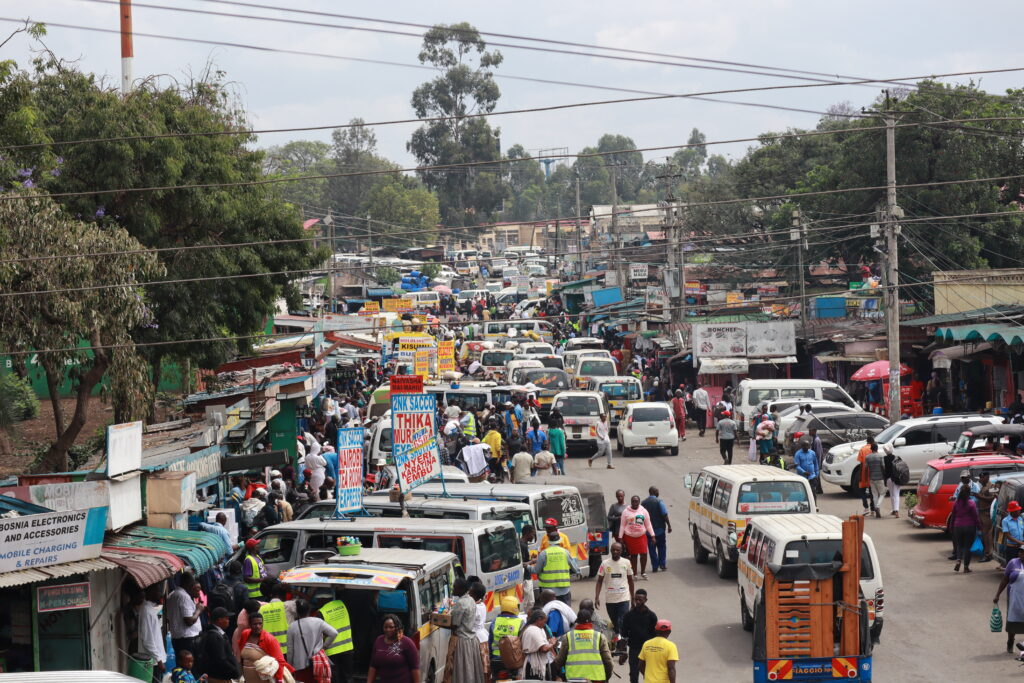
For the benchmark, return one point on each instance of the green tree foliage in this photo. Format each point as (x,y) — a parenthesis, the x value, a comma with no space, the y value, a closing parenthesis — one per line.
(354,150)
(465,86)
(53,308)
(403,209)
(301,158)
(386,275)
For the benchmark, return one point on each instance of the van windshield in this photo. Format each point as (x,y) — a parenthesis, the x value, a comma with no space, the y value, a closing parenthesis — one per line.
(772,497)
(824,550)
(597,368)
(554,362)
(519,518)
(385,440)
(545,378)
(758,396)
(567,509)
(472,402)
(499,550)
(579,406)
(628,391)
(496,357)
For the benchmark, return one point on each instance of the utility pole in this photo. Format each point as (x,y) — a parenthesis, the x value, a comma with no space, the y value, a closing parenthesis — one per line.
(579,229)
(799,234)
(676,254)
(892,296)
(613,255)
(369,236)
(127,50)
(329,222)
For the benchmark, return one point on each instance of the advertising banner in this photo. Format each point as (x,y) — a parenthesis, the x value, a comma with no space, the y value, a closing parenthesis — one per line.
(638,271)
(414,448)
(771,339)
(349,493)
(51,538)
(370,308)
(421,364)
(406,384)
(408,346)
(446,356)
(124,448)
(396,305)
(744,340)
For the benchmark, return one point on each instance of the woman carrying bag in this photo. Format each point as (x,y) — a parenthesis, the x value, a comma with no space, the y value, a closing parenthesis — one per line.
(1013,582)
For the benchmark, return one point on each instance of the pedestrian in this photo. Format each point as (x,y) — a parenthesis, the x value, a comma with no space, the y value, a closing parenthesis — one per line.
(889,466)
(725,436)
(615,513)
(508,623)
(864,482)
(806,463)
(963,524)
(257,645)
(1012,527)
(554,567)
(657,512)
(604,442)
(577,652)
(634,528)
(307,638)
(463,663)
(536,439)
(555,419)
(556,441)
(183,672)
(679,410)
(816,446)
(219,527)
(659,655)
(615,576)
(395,657)
(537,646)
(522,467)
(765,437)
(216,659)
(151,640)
(183,611)
(544,463)
(637,628)
(1013,582)
(986,495)
(701,405)
(478,592)
(317,465)
(340,650)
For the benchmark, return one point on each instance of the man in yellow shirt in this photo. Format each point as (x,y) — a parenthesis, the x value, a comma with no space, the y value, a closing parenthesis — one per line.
(550,529)
(659,655)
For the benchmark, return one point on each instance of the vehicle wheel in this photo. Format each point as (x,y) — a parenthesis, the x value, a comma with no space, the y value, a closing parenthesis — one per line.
(674,451)
(848,489)
(746,620)
(700,553)
(626,452)
(855,480)
(725,568)
(595,564)
(431,674)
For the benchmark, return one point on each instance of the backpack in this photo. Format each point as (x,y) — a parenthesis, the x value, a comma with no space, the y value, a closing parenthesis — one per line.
(222,595)
(900,472)
(511,649)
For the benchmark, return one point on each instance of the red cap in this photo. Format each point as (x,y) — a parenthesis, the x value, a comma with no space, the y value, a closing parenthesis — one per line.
(550,521)
(663,625)
(726,413)
(251,544)
(1013,506)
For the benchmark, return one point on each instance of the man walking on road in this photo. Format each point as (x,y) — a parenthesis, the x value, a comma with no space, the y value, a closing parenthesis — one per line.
(637,628)
(658,513)
(659,655)
(604,442)
(806,463)
(679,410)
(615,575)
(584,653)
(701,405)
(725,435)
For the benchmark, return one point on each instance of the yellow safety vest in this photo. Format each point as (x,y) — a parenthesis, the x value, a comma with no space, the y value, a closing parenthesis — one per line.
(584,658)
(469,430)
(555,572)
(275,622)
(336,614)
(503,626)
(257,572)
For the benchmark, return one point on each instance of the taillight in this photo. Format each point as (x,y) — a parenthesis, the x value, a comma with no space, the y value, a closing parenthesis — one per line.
(879,601)
(629,422)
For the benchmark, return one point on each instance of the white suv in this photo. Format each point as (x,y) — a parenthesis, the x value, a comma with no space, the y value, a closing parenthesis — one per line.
(916,441)
(647,427)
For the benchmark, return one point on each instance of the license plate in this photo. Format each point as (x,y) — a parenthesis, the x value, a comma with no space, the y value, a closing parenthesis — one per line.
(578,433)
(652,440)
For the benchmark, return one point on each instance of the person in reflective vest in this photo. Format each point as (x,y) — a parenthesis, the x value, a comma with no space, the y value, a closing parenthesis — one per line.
(275,622)
(584,652)
(507,623)
(553,569)
(340,650)
(253,569)
(468,422)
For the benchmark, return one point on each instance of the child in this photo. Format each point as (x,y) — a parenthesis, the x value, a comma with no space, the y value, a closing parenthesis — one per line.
(183,672)
(556,443)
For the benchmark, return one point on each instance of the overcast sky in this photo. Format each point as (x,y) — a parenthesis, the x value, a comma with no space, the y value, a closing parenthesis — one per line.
(869,39)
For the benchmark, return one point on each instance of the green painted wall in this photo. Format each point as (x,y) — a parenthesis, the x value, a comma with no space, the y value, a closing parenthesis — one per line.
(282,430)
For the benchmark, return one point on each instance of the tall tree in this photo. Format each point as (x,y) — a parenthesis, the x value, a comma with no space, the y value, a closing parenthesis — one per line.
(354,150)
(301,158)
(465,86)
(403,210)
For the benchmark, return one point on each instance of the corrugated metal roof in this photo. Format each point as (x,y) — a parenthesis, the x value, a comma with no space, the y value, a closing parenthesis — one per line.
(145,568)
(23,576)
(200,549)
(9,504)
(999,311)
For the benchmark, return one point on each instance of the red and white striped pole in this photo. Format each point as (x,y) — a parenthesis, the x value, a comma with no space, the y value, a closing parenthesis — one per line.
(127,53)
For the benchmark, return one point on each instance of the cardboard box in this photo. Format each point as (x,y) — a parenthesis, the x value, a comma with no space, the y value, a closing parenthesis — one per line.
(163,520)
(443,620)
(170,492)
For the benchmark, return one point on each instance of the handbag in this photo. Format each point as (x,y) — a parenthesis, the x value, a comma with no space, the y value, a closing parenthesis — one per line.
(995,622)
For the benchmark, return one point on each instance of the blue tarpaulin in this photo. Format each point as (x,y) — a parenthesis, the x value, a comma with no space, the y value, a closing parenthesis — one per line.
(607,296)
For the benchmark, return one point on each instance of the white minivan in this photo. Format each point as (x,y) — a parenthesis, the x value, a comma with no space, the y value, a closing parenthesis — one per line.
(751,394)
(803,539)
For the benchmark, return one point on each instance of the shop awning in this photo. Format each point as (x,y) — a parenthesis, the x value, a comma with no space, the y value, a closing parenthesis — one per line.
(723,366)
(1010,334)
(54,571)
(781,360)
(145,568)
(379,291)
(199,549)
(833,358)
(943,358)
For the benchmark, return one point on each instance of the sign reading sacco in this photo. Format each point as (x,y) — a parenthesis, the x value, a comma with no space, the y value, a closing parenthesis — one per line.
(51,538)
(415,448)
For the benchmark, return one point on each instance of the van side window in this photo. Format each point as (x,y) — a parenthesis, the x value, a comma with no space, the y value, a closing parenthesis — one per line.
(798,393)
(836,396)
(722,495)
(755,538)
(709,489)
(758,396)
(427,599)
(277,547)
(761,554)
(698,486)
(769,551)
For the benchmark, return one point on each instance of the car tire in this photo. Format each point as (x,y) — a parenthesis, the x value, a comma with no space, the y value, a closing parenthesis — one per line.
(724,568)
(746,619)
(855,480)
(700,553)
(626,452)
(674,451)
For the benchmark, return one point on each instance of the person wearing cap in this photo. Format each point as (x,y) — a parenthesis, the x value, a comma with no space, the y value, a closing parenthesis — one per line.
(508,623)
(806,463)
(553,535)
(1013,529)
(216,658)
(679,410)
(554,564)
(725,436)
(584,653)
(659,655)
(253,569)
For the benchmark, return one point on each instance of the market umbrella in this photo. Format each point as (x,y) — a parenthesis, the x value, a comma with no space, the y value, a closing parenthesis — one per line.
(876,370)
(442,289)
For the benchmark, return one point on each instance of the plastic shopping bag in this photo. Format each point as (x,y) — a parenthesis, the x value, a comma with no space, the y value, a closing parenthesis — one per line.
(995,622)
(977,548)
(752,451)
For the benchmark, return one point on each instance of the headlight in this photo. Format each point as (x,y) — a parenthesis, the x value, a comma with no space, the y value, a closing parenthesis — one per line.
(829,458)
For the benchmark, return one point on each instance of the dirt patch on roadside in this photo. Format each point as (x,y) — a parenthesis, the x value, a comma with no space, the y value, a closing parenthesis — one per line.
(42,430)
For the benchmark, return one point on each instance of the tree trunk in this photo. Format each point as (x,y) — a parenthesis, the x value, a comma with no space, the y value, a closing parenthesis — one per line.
(157,366)
(56,457)
(53,388)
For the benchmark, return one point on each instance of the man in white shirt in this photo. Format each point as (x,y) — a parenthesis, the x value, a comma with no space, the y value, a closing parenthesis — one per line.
(522,467)
(151,639)
(701,405)
(616,577)
(183,612)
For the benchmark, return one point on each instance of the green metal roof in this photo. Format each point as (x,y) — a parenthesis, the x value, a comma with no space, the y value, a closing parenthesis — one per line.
(1011,334)
(998,311)
(201,550)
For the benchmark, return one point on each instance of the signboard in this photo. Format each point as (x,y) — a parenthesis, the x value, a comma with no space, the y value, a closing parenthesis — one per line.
(406,384)
(68,596)
(51,538)
(253,461)
(733,299)
(743,340)
(611,278)
(421,363)
(638,271)
(695,287)
(415,450)
(446,356)
(370,308)
(124,448)
(521,282)
(771,339)
(408,346)
(396,305)
(349,491)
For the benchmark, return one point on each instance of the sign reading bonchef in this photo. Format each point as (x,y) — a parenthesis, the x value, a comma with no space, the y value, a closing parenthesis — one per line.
(51,538)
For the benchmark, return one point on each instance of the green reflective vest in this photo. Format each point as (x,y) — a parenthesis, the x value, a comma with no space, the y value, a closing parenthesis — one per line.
(469,430)
(503,626)
(253,572)
(275,622)
(336,614)
(584,658)
(555,572)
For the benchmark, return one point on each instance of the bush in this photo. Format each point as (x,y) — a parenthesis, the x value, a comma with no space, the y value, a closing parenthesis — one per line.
(18,392)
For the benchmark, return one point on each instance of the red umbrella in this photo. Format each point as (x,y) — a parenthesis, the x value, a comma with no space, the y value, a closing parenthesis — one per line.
(877,370)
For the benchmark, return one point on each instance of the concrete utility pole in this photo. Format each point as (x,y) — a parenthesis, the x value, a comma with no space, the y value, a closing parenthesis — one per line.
(617,256)
(799,234)
(579,229)
(673,226)
(369,236)
(127,51)
(892,295)
(329,222)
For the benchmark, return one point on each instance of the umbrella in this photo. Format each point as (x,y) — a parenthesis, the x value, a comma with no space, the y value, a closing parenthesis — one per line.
(442,289)
(876,370)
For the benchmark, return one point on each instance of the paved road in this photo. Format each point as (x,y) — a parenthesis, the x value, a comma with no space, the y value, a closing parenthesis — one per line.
(936,621)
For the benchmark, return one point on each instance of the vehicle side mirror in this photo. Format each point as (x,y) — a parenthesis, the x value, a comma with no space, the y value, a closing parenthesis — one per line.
(688,481)
(900,441)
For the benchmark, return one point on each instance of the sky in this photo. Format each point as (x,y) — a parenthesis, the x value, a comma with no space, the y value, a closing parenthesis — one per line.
(867,39)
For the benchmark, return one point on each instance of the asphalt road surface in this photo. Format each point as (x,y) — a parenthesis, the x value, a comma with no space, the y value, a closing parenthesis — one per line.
(936,621)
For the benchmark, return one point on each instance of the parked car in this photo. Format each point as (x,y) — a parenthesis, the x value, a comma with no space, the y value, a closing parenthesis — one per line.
(647,427)
(751,394)
(834,428)
(916,441)
(990,438)
(1011,487)
(940,478)
(789,410)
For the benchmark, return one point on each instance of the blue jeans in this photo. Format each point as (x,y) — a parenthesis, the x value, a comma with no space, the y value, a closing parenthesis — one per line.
(656,548)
